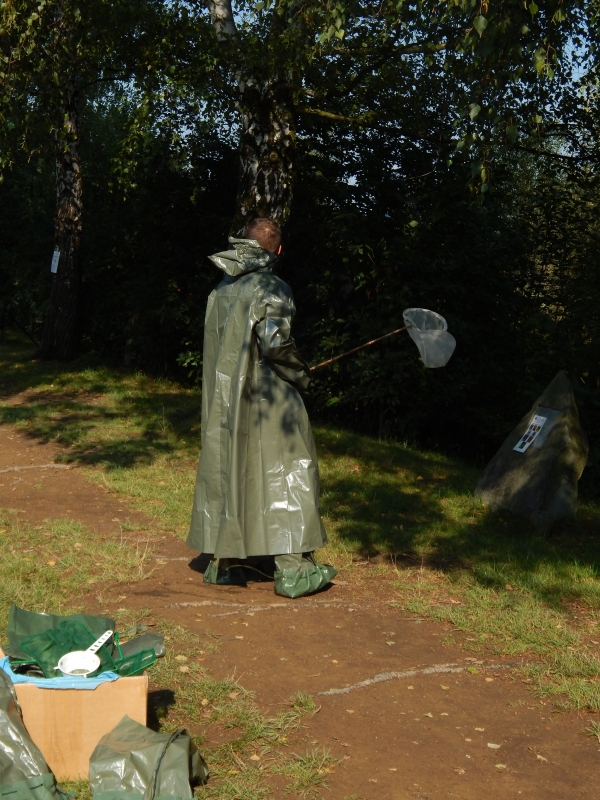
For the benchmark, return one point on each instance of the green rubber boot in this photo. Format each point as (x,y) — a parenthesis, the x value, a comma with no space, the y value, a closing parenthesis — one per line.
(298,575)
(231,575)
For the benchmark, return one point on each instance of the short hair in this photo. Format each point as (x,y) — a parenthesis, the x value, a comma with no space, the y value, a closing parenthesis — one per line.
(266,232)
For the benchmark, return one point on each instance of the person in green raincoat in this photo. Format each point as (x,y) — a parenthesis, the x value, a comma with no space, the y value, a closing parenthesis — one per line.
(257,487)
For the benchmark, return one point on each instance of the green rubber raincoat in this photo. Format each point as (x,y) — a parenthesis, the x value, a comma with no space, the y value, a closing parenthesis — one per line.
(257,488)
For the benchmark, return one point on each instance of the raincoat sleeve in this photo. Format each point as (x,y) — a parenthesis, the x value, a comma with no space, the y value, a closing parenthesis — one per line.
(275,342)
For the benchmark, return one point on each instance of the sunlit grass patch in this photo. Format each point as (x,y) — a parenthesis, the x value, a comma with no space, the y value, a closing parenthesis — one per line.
(49,566)
(309,771)
(162,489)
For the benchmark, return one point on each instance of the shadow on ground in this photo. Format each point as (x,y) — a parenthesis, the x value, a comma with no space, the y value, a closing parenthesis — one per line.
(103,416)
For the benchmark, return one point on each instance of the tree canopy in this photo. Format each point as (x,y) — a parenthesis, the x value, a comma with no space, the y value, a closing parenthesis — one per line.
(434,154)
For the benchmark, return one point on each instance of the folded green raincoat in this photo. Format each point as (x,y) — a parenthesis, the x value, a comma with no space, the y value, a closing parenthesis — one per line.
(257,488)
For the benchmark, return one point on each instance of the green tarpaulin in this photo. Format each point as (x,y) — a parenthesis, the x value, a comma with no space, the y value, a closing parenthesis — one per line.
(133,762)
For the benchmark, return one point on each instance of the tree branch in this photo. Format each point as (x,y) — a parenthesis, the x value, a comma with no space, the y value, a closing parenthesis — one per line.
(548,154)
(318,112)
(391,52)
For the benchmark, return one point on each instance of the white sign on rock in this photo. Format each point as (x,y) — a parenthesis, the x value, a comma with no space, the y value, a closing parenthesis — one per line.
(531,434)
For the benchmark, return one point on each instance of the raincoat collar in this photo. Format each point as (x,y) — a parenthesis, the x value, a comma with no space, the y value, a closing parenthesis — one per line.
(246,256)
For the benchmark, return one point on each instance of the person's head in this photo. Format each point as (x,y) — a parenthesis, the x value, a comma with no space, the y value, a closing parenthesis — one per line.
(266,232)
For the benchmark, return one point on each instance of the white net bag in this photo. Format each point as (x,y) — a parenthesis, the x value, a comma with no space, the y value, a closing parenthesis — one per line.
(429,331)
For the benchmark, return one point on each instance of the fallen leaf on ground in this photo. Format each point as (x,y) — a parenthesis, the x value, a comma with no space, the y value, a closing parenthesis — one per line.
(537,755)
(489,680)
(390,642)
(460,771)
(410,687)
(472,670)
(444,714)
(393,769)
(204,702)
(333,661)
(494,746)
(372,780)
(509,588)
(429,714)
(180,657)
(184,669)
(51,563)
(479,729)
(444,687)
(500,766)
(254,757)
(232,695)
(239,637)
(349,711)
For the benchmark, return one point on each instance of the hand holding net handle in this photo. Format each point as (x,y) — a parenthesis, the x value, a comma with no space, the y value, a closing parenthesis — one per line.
(356,349)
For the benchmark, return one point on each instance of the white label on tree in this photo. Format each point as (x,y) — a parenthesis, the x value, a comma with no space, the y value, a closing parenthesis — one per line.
(55,258)
(531,434)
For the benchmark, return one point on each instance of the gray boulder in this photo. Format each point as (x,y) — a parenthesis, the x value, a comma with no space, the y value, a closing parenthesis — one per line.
(539,478)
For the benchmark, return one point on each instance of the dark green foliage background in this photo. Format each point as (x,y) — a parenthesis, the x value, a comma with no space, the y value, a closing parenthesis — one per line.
(381,222)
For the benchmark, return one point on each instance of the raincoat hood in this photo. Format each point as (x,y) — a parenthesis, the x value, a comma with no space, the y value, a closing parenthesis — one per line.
(246,256)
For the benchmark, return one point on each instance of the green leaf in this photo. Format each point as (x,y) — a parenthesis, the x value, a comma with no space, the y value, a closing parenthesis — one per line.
(539,60)
(511,133)
(480,24)
(474,109)
(413,223)
(533,9)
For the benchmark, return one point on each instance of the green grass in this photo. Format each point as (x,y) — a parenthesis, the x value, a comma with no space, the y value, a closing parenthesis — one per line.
(45,568)
(397,517)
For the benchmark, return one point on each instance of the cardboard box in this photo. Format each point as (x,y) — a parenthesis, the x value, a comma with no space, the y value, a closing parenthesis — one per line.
(67,724)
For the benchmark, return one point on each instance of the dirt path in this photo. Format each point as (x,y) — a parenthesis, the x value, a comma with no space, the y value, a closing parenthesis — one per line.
(409,716)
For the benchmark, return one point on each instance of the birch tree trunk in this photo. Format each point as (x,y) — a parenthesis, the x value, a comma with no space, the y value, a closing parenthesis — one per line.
(267,153)
(267,147)
(61,325)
